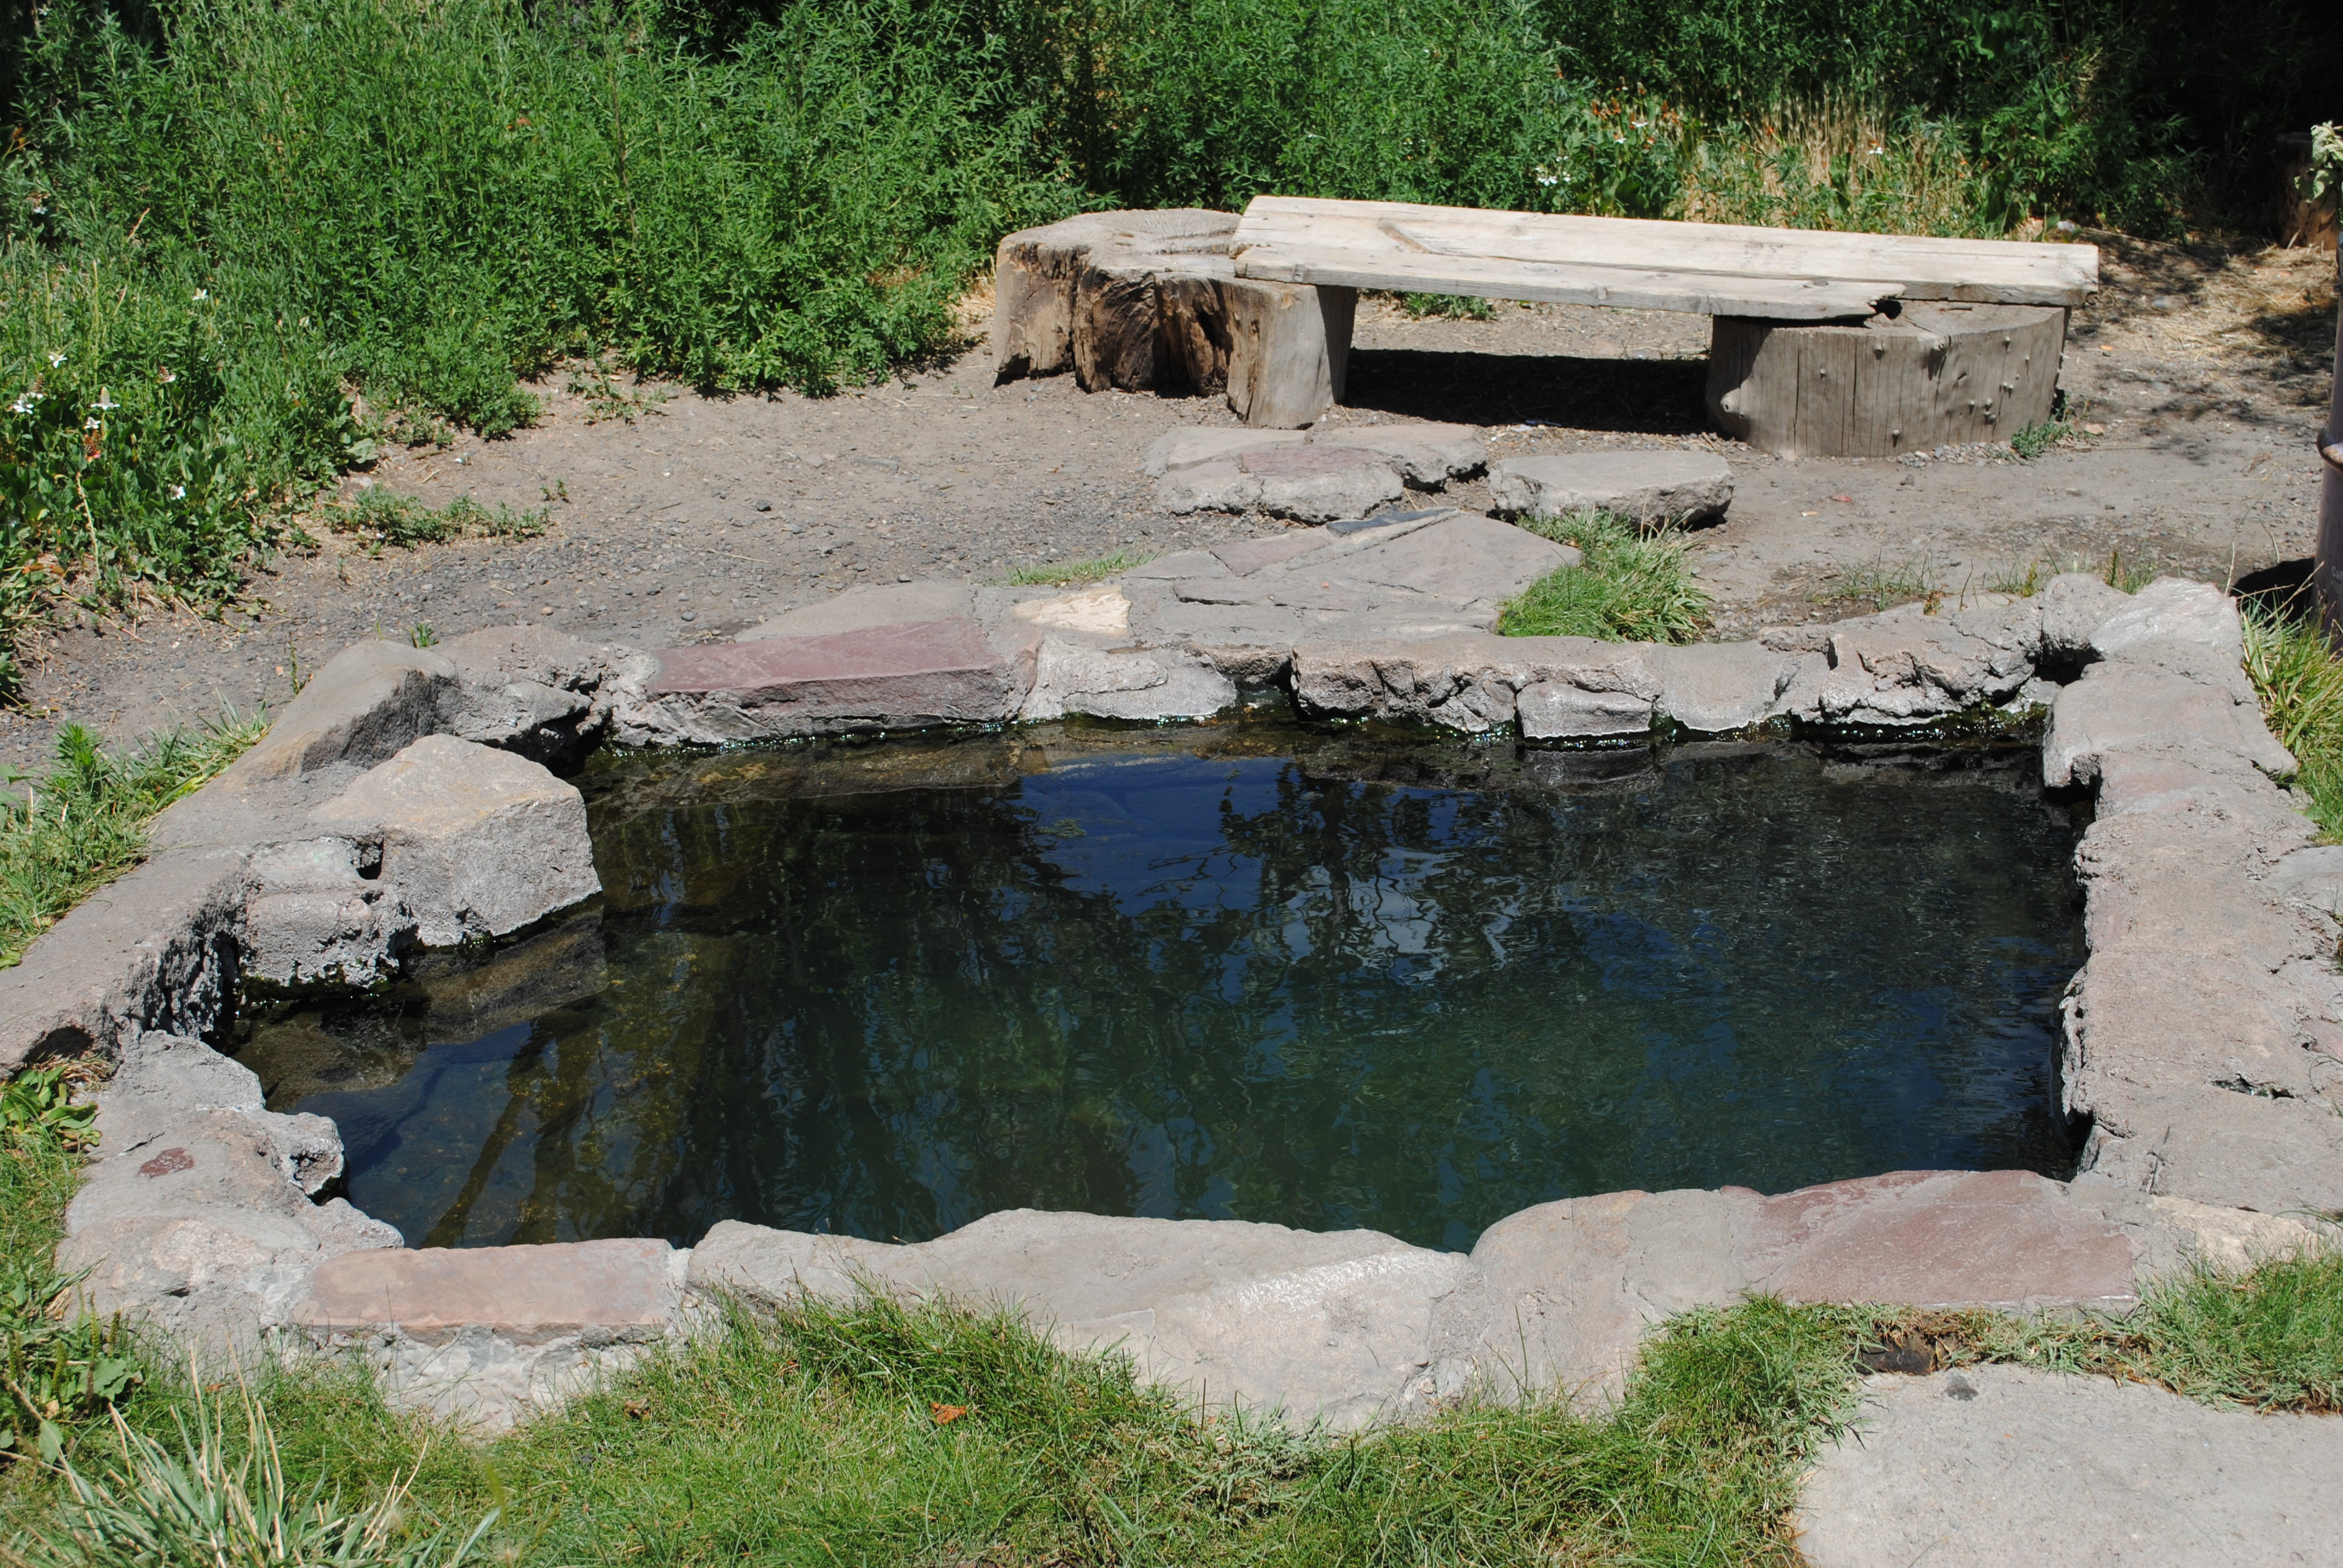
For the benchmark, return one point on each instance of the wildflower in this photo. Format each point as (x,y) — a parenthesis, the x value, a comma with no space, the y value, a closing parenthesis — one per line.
(178,492)
(167,376)
(1873,151)
(57,358)
(105,399)
(202,295)
(92,423)
(23,405)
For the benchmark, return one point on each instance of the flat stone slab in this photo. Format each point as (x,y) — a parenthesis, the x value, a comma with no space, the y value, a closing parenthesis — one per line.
(1342,472)
(872,676)
(838,663)
(518,1293)
(1995,1465)
(1650,487)
(1574,1284)
(1342,1327)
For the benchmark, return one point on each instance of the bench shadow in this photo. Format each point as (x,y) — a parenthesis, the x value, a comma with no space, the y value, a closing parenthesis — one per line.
(1643,396)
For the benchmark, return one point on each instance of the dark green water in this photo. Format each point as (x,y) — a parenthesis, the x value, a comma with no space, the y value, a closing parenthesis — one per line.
(1251,973)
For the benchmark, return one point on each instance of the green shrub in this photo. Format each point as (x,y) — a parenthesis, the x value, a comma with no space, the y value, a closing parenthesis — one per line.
(1633,585)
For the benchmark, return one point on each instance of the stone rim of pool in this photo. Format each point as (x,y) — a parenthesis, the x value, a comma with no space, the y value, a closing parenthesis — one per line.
(2197,1038)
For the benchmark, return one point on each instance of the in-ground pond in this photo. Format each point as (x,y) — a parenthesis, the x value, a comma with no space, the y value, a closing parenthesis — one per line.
(1247,971)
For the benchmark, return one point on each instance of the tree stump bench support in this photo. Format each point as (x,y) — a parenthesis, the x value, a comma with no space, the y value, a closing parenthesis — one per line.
(1824,344)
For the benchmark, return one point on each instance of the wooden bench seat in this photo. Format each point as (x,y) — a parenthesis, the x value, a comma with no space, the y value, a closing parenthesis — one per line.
(1823,344)
(1711,269)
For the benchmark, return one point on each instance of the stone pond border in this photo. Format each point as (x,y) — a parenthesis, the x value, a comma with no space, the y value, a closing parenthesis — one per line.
(403,800)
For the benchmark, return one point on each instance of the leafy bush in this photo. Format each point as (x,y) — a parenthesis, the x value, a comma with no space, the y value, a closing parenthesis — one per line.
(211,236)
(1633,586)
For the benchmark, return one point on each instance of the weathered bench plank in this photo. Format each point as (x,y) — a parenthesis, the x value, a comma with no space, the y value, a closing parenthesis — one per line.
(1717,269)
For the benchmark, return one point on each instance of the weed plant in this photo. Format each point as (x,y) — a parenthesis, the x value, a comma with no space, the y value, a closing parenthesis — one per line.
(1069,574)
(84,823)
(1883,587)
(56,1370)
(380,516)
(1633,585)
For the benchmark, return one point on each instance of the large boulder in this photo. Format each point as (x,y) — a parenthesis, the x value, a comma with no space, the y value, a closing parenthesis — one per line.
(478,842)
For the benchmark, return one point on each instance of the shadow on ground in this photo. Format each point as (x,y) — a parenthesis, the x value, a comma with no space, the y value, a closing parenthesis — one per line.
(1646,396)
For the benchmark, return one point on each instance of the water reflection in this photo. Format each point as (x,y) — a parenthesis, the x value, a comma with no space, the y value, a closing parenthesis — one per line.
(1262,975)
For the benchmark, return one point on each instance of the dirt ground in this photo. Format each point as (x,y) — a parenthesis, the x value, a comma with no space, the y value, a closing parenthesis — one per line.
(2205,367)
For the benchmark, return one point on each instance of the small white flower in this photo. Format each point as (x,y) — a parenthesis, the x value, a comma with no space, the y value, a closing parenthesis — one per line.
(178,492)
(202,295)
(168,375)
(91,424)
(104,400)
(57,358)
(21,405)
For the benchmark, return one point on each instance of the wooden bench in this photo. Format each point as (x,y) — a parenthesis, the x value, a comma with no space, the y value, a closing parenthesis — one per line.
(1824,344)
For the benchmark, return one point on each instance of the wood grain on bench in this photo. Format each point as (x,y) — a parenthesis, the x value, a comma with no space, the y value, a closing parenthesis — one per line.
(1714,269)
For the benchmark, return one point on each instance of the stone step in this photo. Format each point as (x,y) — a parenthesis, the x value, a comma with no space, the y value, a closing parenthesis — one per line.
(1995,1465)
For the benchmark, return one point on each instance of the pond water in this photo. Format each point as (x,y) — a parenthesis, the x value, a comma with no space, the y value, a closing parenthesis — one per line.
(1249,971)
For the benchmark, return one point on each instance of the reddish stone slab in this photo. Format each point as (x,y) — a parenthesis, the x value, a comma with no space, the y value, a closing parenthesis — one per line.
(835,661)
(1308,462)
(930,671)
(1941,1239)
(521,1293)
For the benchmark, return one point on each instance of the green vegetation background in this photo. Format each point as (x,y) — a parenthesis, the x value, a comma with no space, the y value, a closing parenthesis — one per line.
(244,242)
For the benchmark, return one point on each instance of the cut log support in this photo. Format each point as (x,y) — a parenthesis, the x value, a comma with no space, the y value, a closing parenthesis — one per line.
(1937,374)
(1082,295)
(1290,350)
(1150,301)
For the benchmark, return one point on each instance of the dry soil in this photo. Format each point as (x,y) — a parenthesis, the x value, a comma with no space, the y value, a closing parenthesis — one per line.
(2203,370)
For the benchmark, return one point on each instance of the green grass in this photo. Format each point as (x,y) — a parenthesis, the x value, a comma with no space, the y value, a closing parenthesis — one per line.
(84,822)
(1634,586)
(880,1432)
(2299,679)
(1069,574)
